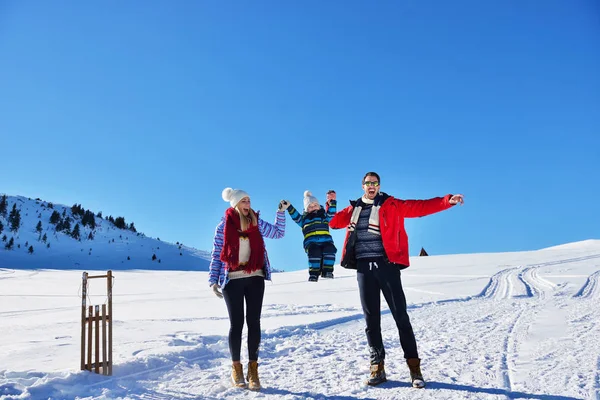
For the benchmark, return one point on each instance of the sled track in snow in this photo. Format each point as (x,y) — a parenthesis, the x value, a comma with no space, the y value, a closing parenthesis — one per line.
(509,348)
(516,282)
(591,287)
(565,261)
(536,286)
(524,281)
(11,273)
(499,286)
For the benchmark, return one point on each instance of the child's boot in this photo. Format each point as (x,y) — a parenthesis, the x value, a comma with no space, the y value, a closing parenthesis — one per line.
(327,274)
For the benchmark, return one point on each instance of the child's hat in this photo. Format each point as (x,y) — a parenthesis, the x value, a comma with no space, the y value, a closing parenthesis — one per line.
(233,196)
(308,199)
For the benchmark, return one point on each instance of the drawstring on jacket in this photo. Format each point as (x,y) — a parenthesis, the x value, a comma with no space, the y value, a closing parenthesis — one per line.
(371,264)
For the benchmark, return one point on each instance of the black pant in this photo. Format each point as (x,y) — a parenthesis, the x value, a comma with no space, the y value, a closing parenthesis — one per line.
(373,277)
(252,289)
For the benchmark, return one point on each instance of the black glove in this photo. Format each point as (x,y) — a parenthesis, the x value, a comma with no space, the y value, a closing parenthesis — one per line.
(283,205)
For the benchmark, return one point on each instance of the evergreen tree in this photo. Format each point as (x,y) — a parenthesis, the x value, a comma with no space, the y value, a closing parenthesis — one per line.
(48,245)
(120,223)
(38,227)
(14,218)
(132,227)
(76,234)
(44,238)
(153,255)
(10,244)
(89,219)
(76,209)
(91,236)
(1,227)
(66,226)
(4,238)
(55,217)
(30,250)
(3,205)
(99,215)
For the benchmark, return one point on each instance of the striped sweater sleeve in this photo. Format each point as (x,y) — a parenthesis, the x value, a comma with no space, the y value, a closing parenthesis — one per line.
(331,209)
(296,216)
(273,231)
(216,265)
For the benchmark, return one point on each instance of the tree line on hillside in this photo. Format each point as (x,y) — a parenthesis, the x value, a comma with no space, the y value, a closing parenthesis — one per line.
(61,221)
(14,217)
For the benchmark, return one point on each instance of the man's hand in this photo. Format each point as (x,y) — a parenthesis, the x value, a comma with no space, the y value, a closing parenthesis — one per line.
(283,205)
(217,292)
(331,195)
(457,198)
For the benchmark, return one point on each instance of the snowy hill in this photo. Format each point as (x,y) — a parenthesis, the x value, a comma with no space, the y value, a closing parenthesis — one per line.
(37,243)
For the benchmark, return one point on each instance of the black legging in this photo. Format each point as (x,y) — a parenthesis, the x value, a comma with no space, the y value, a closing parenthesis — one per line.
(253,290)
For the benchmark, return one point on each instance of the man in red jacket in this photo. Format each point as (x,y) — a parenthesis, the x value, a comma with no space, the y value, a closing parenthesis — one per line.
(376,245)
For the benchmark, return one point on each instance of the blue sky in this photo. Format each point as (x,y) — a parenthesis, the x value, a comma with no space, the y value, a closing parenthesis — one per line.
(149,109)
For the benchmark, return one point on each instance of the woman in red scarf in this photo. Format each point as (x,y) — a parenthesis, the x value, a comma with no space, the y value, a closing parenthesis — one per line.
(238,269)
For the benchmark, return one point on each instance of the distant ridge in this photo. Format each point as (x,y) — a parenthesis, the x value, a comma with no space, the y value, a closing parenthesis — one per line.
(37,234)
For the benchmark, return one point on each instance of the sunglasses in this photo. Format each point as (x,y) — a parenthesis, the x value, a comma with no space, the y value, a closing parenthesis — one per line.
(369,183)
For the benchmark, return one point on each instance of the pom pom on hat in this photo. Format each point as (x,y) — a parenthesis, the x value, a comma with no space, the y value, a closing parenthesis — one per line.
(308,199)
(233,196)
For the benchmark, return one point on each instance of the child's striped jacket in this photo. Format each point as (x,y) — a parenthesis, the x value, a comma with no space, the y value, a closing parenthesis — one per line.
(315,226)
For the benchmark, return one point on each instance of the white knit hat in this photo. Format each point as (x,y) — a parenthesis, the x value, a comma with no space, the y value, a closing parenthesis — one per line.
(233,196)
(309,198)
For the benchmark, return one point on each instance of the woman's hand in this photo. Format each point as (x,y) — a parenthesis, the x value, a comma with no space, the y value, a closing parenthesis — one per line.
(217,291)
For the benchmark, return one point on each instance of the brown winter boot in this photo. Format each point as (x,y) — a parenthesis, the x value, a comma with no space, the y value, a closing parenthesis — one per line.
(237,375)
(416,377)
(377,375)
(253,381)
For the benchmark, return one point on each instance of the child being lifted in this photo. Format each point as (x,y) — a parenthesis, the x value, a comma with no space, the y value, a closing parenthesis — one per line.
(318,242)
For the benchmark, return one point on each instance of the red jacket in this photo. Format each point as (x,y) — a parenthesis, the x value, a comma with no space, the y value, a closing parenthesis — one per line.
(391,224)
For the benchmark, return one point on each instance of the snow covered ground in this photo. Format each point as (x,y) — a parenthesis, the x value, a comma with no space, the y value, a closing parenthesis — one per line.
(521,325)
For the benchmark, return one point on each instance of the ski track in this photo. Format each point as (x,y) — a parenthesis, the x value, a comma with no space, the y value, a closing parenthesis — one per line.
(516,282)
(509,348)
(536,285)
(13,274)
(591,287)
(565,261)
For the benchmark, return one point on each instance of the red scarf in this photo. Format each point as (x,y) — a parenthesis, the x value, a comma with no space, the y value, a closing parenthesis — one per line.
(231,246)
